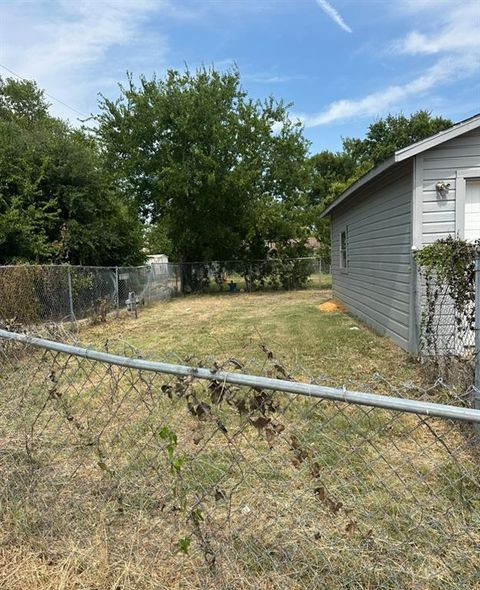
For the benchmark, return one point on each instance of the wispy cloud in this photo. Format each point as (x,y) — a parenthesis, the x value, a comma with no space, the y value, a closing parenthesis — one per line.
(69,44)
(334,14)
(452,37)
(451,69)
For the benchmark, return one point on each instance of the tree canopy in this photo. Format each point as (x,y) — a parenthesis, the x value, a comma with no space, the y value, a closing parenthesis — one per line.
(333,172)
(57,203)
(224,175)
(186,164)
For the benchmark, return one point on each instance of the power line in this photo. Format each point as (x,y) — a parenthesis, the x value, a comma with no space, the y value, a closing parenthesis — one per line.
(46,93)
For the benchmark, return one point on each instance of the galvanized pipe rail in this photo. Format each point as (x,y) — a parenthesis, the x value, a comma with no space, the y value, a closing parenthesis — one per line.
(305,389)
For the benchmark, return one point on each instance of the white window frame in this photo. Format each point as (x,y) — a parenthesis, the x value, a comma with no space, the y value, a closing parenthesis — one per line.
(343,252)
(460,192)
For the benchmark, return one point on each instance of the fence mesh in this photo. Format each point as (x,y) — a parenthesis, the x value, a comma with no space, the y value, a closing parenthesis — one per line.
(113,477)
(37,294)
(256,275)
(447,313)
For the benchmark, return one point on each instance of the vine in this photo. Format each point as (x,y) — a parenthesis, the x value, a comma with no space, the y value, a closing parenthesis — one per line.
(448,267)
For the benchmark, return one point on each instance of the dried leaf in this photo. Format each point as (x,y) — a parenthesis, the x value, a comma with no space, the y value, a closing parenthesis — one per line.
(218,391)
(270,435)
(295,442)
(321,493)
(216,367)
(279,428)
(269,353)
(261,422)
(315,469)
(241,406)
(350,528)
(222,427)
(334,506)
(282,371)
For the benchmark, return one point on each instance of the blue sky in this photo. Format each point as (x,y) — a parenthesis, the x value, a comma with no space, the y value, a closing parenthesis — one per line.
(343,63)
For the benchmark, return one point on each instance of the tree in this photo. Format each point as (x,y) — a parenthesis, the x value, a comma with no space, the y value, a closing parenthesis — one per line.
(223,174)
(386,136)
(333,173)
(57,204)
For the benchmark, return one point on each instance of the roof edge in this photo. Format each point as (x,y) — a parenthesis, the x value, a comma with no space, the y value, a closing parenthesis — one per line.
(404,154)
(365,179)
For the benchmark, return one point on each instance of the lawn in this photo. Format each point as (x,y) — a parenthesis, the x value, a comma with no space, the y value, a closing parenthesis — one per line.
(305,339)
(116,479)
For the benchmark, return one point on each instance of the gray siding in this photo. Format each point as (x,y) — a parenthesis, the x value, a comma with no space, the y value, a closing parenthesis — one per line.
(441,216)
(376,286)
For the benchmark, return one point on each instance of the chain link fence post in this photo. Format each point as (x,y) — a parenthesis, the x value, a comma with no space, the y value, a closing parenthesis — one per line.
(70,298)
(117,289)
(476,389)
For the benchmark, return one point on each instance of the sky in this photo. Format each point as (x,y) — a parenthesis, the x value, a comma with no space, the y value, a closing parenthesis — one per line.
(341,63)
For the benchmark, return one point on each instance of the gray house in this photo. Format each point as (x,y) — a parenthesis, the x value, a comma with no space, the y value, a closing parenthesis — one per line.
(424,192)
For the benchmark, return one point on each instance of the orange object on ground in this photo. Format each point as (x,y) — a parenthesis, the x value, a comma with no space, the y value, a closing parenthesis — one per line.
(332,306)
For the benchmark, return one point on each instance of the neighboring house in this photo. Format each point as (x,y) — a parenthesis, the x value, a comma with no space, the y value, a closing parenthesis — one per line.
(157,259)
(424,192)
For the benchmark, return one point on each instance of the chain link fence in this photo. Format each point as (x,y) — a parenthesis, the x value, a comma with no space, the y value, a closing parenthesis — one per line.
(37,294)
(256,275)
(447,303)
(118,472)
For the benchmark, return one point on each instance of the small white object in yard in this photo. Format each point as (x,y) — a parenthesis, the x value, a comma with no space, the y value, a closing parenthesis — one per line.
(246,509)
(354,328)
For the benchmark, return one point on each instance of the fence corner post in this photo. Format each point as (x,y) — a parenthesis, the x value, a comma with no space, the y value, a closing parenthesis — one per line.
(476,388)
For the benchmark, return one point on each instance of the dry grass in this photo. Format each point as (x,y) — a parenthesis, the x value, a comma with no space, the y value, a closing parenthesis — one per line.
(343,497)
(289,323)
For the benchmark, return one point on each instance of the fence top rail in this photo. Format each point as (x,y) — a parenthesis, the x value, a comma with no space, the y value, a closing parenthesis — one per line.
(171,264)
(253,260)
(240,379)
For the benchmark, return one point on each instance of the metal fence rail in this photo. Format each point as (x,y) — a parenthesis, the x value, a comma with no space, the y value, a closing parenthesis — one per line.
(255,381)
(118,471)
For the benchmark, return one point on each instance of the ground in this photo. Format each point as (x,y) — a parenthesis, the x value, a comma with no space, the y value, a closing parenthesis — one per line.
(118,479)
(291,324)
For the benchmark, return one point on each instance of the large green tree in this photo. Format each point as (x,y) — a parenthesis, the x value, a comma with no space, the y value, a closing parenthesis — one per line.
(224,175)
(57,203)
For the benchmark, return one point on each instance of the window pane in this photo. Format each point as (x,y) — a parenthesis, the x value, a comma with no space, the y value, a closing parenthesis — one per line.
(472,210)
(343,249)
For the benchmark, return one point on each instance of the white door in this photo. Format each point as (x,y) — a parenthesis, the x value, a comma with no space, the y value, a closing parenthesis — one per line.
(471,233)
(472,210)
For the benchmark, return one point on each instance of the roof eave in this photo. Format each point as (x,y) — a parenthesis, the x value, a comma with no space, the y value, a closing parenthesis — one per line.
(404,154)
(366,178)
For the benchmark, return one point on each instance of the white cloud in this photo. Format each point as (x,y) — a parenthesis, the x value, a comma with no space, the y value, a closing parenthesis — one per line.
(452,36)
(334,15)
(392,96)
(455,29)
(66,46)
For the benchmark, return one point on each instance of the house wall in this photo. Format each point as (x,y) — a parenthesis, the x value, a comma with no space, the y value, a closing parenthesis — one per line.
(437,216)
(454,162)
(377,286)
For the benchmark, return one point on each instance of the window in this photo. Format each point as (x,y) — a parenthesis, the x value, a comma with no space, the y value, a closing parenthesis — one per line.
(343,250)
(472,209)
